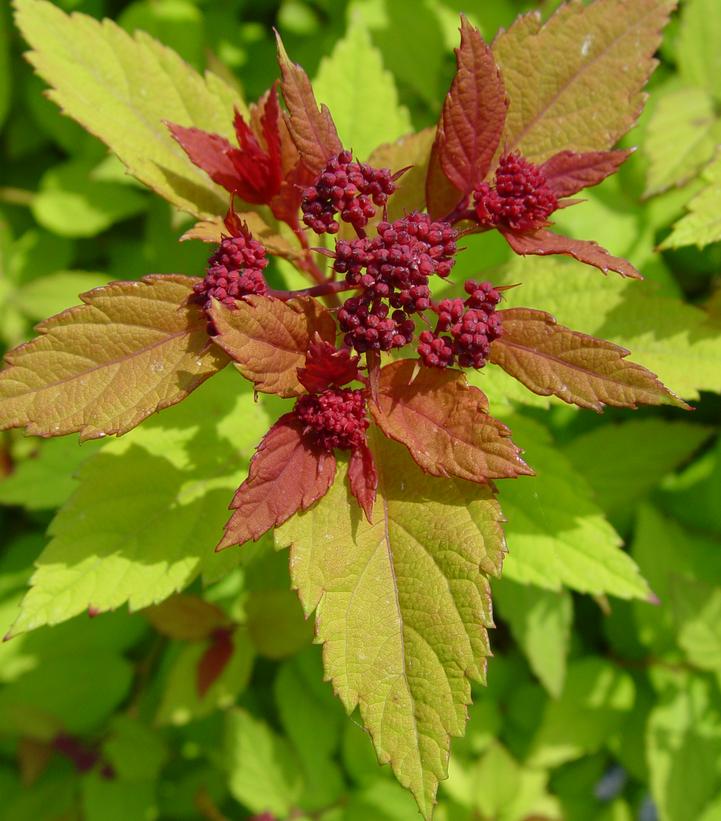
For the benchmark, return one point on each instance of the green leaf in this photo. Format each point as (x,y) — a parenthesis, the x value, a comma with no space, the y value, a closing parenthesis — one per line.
(48,295)
(135,751)
(148,509)
(697,609)
(684,748)
(131,348)
(71,203)
(675,340)
(540,621)
(176,23)
(46,478)
(681,137)
(122,88)
(702,223)
(360,93)
(115,800)
(276,625)
(586,57)
(557,534)
(636,456)
(180,701)
(376,587)
(593,705)
(263,772)
(5,75)
(698,54)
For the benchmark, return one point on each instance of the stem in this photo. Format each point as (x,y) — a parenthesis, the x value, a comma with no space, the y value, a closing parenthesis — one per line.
(16,196)
(373,363)
(309,264)
(324,289)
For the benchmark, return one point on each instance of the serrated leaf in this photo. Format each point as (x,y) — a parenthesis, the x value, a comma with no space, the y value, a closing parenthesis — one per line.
(702,224)
(557,534)
(121,88)
(360,93)
(267,339)
(540,621)
(575,83)
(672,338)
(263,772)
(473,118)
(544,242)
(699,58)
(681,136)
(130,350)
(285,476)
(311,127)
(580,369)
(398,596)
(444,423)
(148,509)
(568,172)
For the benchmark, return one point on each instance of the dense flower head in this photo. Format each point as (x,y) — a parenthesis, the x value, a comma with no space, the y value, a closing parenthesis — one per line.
(519,199)
(346,188)
(368,327)
(234,270)
(464,330)
(333,418)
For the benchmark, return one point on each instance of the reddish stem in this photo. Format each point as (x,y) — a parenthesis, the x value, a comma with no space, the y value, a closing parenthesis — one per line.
(373,362)
(324,289)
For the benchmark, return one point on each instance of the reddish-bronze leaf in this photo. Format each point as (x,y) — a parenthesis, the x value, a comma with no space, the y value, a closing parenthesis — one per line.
(363,479)
(285,476)
(100,368)
(185,617)
(214,229)
(214,660)
(312,128)
(327,365)
(582,370)
(209,152)
(444,423)
(442,196)
(268,339)
(576,82)
(472,120)
(567,172)
(545,242)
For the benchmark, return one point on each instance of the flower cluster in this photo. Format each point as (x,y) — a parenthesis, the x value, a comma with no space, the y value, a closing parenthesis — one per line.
(234,270)
(464,330)
(519,199)
(350,189)
(333,418)
(392,270)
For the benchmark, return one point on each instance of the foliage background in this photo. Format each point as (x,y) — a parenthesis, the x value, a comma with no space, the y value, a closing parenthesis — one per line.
(598,706)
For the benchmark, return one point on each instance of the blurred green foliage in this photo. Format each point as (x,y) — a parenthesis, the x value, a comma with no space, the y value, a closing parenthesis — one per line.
(596,707)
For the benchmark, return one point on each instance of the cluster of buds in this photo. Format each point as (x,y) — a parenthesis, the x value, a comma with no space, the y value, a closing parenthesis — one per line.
(464,330)
(391,270)
(234,270)
(333,418)
(350,189)
(519,199)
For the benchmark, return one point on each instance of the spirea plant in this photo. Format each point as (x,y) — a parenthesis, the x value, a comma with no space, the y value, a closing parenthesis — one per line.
(380,472)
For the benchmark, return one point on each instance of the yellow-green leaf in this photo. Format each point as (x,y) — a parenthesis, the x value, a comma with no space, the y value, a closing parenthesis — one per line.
(100,368)
(402,606)
(121,88)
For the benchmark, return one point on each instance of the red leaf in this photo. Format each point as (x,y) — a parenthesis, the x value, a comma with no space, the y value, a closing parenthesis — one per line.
(567,172)
(285,476)
(546,242)
(214,660)
(582,370)
(473,116)
(209,152)
(444,423)
(268,339)
(325,365)
(363,479)
(312,128)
